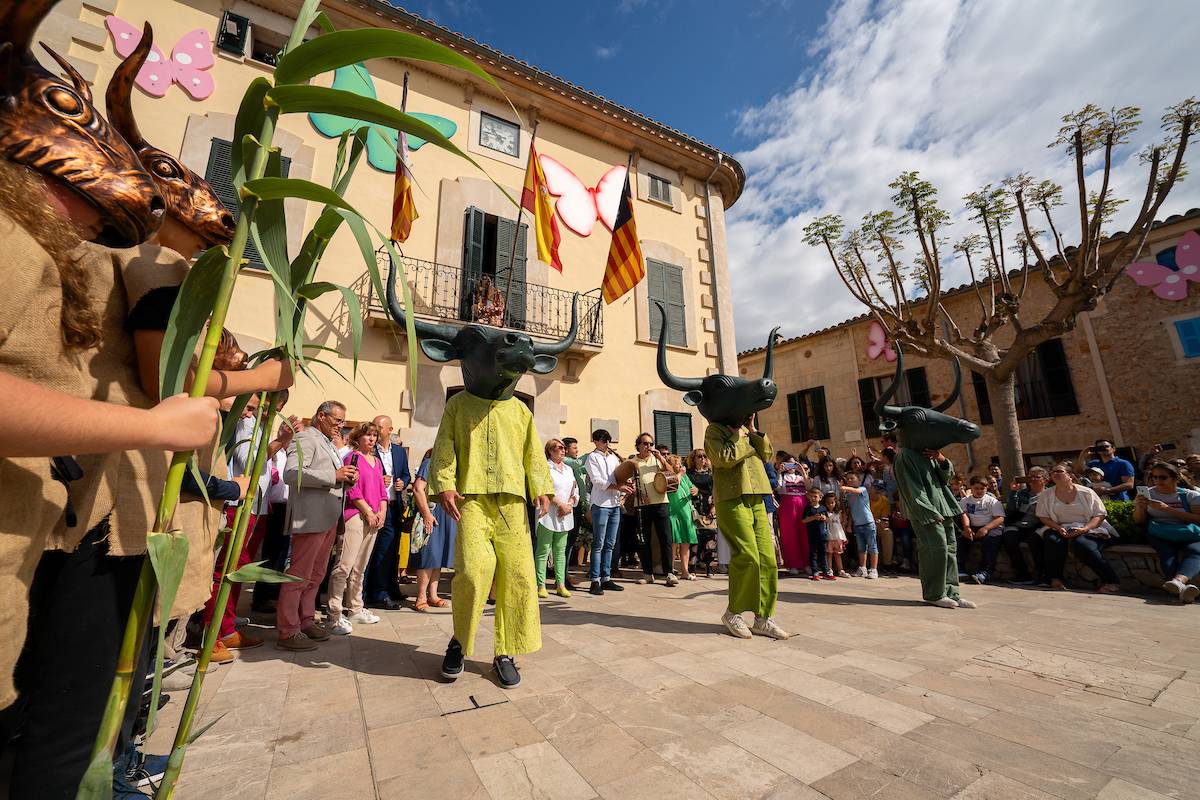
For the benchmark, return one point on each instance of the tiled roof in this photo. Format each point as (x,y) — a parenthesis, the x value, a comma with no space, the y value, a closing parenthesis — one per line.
(573,91)
(1193,213)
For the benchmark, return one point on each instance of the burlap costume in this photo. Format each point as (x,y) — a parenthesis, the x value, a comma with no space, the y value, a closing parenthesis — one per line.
(31,347)
(126,486)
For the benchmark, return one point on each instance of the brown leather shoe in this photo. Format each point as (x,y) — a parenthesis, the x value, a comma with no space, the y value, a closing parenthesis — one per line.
(241,641)
(315,632)
(297,642)
(220,653)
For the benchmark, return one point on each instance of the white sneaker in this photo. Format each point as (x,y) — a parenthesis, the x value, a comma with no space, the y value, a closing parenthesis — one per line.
(645,579)
(672,580)
(363,617)
(943,602)
(765,626)
(872,573)
(736,625)
(1174,586)
(861,572)
(965,603)
(1189,593)
(341,627)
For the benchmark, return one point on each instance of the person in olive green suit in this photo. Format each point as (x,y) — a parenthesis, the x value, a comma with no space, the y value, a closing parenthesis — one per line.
(923,479)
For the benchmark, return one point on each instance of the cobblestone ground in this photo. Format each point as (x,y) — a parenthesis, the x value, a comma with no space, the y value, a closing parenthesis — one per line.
(641,694)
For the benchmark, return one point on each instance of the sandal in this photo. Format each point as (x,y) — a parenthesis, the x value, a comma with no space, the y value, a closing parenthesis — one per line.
(1110,588)
(439,603)
(420,606)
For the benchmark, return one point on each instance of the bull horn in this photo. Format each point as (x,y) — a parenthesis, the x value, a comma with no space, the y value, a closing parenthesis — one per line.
(20,21)
(942,406)
(681,384)
(81,86)
(118,99)
(564,344)
(881,408)
(769,363)
(424,330)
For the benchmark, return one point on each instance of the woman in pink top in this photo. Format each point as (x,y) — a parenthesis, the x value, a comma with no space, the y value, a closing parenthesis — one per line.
(793,535)
(366,511)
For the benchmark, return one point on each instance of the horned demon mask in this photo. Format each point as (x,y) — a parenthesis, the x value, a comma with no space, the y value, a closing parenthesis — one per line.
(53,128)
(720,398)
(493,359)
(920,428)
(189,198)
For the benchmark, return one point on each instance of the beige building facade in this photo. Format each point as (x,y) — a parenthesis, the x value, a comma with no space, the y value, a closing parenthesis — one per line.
(466,227)
(1129,371)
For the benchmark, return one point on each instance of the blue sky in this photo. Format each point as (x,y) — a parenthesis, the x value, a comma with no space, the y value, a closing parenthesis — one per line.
(689,63)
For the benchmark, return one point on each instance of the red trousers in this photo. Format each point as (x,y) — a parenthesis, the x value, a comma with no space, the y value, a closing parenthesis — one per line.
(258,529)
(793,536)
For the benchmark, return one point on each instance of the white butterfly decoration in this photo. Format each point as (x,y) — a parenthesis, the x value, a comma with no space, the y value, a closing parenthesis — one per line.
(878,344)
(578,205)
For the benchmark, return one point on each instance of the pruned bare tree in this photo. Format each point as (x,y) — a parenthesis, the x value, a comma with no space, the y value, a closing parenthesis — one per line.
(1006,252)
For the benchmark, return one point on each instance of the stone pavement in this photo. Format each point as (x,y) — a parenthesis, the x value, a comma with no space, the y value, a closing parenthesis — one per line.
(642,695)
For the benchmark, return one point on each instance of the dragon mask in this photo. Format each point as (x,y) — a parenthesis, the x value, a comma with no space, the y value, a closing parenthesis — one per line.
(52,127)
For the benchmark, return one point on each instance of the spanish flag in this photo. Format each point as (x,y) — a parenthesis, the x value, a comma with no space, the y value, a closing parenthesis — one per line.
(536,199)
(625,268)
(404,211)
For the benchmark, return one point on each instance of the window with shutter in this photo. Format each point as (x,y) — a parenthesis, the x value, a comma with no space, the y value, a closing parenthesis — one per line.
(665,285)
(793,406)
(982,401)
(1043,386)
(505,229)
(660,189)
(866,399)
(1188,332)
(674,429)
(1056,376)
(807,416)
(918,387)
(219,176)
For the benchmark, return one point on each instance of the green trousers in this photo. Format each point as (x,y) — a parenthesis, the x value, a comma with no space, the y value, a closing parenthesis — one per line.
(493,543)
(546,539)
(937,555)
(753,575)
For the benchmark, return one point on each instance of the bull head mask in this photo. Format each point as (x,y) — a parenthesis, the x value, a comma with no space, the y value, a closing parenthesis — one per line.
(721,398)
(189,199)
(53,128)
(493,359)
(920,428)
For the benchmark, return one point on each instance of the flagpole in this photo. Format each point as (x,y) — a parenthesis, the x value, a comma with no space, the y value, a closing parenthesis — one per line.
(400,148)
(512,258)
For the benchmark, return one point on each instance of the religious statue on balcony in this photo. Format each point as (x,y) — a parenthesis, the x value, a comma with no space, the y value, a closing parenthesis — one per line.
(487,459)
(739,483)
(487,304)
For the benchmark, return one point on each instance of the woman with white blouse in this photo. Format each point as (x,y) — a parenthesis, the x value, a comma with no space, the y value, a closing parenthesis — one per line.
(1074,516)
(556,523)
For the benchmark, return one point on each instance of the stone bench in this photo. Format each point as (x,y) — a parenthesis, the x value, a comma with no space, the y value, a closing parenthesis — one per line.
(1135,564)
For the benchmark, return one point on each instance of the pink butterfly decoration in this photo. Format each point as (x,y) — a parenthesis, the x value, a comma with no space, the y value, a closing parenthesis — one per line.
(878,344)
(191,56)
(578,205)
(1171,284)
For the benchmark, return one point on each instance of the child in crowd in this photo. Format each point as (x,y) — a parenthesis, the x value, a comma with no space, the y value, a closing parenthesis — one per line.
(835,543)
(814,523)
(864,525)
(881,510)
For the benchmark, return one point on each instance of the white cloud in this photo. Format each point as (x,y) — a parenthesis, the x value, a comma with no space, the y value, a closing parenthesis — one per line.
(605,53)
(965,92)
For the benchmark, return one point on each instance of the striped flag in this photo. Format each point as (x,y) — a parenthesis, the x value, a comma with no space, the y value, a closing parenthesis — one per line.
(535,198)
(404,211)
(625,268)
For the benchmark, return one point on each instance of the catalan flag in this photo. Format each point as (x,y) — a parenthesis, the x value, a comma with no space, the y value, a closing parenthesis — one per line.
(404,211)
(625,268)
(535,198)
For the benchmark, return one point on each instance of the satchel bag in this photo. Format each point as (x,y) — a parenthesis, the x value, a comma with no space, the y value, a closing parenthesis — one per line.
(419,536)
(1177,532)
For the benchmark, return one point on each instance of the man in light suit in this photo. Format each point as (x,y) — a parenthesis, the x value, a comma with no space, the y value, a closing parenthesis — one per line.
(316,479)
(382,589)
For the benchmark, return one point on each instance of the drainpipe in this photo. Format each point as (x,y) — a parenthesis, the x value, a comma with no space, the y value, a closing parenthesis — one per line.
(728,369)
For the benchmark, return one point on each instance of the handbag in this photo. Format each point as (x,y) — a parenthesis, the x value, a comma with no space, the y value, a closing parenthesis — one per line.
(1178,532)
(419,536)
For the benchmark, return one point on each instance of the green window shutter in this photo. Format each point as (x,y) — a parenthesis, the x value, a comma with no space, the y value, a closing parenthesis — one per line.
(982,401)
(506,229)
(219,176)
(918,386)
(664,284)
(472,259)
(866,398)
(662,427)
(793,406)
(1056,375)
(820,420)
(681,433)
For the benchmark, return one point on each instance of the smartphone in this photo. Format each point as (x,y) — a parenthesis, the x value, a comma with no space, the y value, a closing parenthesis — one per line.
(1166,446)
(1144,491)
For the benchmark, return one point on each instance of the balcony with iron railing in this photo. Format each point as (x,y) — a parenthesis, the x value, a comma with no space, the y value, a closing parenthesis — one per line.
(446,293)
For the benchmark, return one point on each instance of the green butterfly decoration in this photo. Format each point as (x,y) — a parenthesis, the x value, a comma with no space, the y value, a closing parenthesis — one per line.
(382,142)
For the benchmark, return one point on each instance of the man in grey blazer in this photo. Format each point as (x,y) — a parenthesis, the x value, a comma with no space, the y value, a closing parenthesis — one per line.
(316,478)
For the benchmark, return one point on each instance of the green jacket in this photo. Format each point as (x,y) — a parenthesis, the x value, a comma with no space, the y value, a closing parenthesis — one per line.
(576,465)
(738,461)
(924,485)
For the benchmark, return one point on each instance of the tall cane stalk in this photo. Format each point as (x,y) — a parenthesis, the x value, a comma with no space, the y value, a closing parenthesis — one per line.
(143,603)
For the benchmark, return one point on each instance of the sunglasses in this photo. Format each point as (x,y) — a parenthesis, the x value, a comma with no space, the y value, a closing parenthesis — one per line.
(558,447)
(645,444)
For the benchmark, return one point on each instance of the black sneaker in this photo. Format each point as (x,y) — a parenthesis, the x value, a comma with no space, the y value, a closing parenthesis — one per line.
(506,671)
(610,586)
(596,588)
(452,664)
(146,770)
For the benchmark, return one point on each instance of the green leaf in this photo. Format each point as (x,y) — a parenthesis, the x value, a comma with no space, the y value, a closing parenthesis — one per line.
(193,305)
(229,424)
(312,291)
(410,329)
(323,22)
(194,468)
(249,122)
(342,48)
(279,188)
(305,18)
(98,780)
(257,572)
(168,554)
(204,728)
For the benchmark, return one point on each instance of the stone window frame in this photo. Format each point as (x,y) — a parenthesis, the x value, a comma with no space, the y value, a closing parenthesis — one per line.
(643,169)
(485,116)
(479,104)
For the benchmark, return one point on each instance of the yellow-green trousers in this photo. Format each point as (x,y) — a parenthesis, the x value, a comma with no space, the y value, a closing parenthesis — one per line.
(493,543)
(753,574)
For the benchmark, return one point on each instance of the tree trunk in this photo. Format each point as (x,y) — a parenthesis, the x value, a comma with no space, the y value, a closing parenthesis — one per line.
(1002,392)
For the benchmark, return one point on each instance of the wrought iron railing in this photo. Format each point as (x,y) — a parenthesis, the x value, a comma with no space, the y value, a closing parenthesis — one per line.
(448,293)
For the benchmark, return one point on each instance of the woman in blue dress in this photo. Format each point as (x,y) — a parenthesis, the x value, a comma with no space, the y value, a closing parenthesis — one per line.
(437,553)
